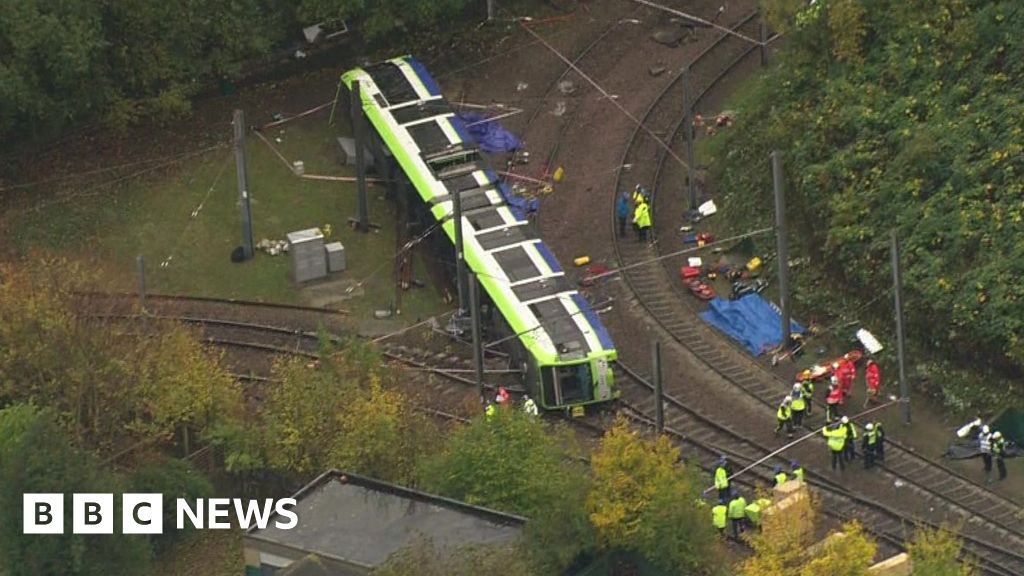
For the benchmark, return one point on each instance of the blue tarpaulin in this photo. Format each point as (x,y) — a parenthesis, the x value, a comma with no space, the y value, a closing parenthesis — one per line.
(490,135)
(521,207)
(751,321)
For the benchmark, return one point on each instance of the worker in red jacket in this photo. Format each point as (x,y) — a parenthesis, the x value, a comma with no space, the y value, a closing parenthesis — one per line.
(834,401)
(846,372)
(873,379)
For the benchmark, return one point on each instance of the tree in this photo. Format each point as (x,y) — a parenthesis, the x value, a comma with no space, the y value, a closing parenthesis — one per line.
(112,386)
(850,555)
(513,463)
(342,413)
(781,545)
(642,500)
(423,558)
(936,553)
(36,456)
(848,28)
(384,16)
(780,548)
(173,478)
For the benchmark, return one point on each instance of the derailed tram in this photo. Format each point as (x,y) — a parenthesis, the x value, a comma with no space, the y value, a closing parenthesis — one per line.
(555,335)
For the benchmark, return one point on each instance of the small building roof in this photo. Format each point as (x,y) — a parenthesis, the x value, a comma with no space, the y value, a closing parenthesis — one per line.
(360,522)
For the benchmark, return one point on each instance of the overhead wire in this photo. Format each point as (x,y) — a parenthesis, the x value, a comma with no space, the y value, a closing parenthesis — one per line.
(405,247)
(699,20)
(106,169)
(195,212)
(611,98)
(93,190)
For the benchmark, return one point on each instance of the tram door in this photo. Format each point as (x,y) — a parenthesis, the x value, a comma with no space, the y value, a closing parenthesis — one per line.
(570,384)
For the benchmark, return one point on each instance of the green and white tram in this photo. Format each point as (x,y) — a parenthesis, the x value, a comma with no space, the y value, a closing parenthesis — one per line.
(561,340)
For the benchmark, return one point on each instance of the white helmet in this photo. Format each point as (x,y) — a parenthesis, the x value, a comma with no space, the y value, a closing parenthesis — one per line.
(797,387)
(869,426)
(845,420)
(984,429)
(997,435)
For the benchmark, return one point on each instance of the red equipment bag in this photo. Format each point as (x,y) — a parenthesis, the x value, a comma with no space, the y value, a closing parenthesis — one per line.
(689,272)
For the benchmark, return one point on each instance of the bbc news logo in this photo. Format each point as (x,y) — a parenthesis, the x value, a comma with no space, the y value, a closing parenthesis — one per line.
(143,513)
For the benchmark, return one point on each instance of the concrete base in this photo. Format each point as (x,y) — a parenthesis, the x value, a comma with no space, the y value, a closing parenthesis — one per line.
(898,565)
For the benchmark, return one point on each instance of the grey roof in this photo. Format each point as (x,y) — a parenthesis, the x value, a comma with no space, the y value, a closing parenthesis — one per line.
(311,565)
(363,521)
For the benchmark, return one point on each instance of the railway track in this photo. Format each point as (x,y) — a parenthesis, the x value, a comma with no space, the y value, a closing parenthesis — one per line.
(890,527)
(453,388)
(988,517)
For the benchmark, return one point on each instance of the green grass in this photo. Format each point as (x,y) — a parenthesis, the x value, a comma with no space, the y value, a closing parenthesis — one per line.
(152,217)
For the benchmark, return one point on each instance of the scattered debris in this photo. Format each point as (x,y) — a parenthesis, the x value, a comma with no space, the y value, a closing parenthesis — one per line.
(560,108)
(521,86)
(381,314)
(566,87)
(708,208)
(273,247)
(656,70)
(629,21)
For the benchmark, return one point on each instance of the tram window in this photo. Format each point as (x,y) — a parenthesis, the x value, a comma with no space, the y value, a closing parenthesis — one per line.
(575,382)
(547,378)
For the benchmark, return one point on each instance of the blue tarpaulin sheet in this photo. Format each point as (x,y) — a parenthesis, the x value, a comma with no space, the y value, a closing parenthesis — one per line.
(521,207)
(751,321)
(491,136)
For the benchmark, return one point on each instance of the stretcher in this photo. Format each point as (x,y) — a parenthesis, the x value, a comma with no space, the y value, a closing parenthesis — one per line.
(824,370)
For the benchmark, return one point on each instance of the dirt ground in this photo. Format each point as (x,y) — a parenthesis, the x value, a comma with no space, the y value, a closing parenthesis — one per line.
(575,219)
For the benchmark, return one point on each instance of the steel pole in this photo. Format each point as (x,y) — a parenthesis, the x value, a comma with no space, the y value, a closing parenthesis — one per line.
(780,237)
(141,261)
(898,302)
(242,172)
(358,136)
(691,170)
(478,352)
(460,263)
(659,401)
(490,10)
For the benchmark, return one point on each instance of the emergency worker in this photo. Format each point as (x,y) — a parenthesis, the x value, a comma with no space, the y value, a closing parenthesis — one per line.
(798,406)
(836,434)
(870,445)
(737,514)
(722,474)
(784,416)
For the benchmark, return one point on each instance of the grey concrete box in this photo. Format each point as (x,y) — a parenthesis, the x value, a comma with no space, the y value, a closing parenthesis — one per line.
(348,152)
(307,251)
(335,257)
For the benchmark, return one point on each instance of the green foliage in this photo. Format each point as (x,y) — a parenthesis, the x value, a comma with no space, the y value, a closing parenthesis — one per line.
(342,414)
(385,16)
(512,463)
(37,457)
(916,130)
(110,386)
(850,555)
(423,558)
(174,479)
(935,553)
(65,62)
(643,501)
